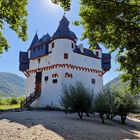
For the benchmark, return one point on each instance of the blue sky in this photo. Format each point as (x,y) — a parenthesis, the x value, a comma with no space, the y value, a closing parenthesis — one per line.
(43,17)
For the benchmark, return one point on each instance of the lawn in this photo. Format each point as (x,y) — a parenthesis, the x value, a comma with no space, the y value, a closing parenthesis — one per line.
(4,107)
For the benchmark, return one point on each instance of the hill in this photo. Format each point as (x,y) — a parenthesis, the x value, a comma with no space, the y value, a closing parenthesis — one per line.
(11,85)
(115,82)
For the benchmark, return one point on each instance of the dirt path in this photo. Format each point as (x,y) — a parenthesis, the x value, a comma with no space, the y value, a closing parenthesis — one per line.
(47,125)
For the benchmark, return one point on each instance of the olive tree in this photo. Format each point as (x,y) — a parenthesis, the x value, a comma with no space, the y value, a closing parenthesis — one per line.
(77,97)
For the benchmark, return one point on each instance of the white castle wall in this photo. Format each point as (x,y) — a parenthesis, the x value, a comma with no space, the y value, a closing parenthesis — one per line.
(51,92)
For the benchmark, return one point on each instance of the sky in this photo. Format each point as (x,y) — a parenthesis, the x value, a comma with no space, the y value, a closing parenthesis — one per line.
(43,17)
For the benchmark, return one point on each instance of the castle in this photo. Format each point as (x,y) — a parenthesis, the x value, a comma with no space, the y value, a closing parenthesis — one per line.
(53,61)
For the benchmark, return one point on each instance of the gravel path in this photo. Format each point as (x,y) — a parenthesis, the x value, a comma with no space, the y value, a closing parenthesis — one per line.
(50,125)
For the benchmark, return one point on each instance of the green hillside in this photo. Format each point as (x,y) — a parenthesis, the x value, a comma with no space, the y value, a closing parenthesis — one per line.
(11,85)
(115,82)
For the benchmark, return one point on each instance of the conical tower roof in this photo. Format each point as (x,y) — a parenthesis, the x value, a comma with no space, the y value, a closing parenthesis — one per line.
(63,30)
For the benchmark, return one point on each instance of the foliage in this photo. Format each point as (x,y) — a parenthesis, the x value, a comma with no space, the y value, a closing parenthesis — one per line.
(124,103)
(104,103)
(11,101)
(117,102)
(13,12)
(63,3)
(77,98)
(116,23)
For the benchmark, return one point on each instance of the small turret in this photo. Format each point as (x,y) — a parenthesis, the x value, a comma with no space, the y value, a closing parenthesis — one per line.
(97,51)
(63,31)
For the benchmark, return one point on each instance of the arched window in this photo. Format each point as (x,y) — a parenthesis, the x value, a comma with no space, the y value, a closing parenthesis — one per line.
(68,75)
(55,75)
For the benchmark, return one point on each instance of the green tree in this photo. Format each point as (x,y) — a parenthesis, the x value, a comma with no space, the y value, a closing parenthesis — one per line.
(124,103)
(78,98)
(104,103)
(13,13)
(116,24)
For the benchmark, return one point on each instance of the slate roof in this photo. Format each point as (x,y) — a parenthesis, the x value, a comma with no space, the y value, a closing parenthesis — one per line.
(35,41)
(86,52)
(63,30)
(45,38)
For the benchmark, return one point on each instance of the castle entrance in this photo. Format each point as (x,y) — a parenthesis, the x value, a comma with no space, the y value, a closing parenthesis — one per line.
(38,82)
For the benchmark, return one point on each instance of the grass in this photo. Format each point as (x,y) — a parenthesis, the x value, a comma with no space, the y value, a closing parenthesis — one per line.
(10,102)
(5,107)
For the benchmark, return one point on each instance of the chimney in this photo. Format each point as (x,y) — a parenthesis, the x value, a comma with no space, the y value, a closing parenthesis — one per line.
(81,48)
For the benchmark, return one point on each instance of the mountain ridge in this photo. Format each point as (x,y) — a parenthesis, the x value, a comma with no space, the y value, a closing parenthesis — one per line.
(11,85)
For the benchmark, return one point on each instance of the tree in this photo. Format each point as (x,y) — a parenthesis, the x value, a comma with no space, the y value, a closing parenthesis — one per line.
(78,98)
(104,103)
(13,12)
(116,24)
(124,103)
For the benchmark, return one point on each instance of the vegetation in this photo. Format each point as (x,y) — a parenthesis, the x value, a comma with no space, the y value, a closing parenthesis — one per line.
(107,102)
(13,12)
(78,98)
(12,102)
(116,24)
(114,103)
(104,103)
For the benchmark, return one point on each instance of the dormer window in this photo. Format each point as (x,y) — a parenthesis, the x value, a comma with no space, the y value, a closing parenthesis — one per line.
(53,45)
(34,49)
(65,55)
(97,53)
(72,45)
(38,47)
(41,47)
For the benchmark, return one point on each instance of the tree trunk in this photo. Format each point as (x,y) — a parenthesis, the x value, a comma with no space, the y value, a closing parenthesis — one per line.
(87,114)
(102,117)
(107,115)
(80,114)
(123,118)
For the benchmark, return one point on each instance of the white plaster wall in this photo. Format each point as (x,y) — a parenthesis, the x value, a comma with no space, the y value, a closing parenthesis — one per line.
(51,92)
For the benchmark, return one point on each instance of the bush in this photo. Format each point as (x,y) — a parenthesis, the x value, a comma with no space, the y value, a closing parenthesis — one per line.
(124,104)
(103,103)
(11,100)
(77,97)
(116,102)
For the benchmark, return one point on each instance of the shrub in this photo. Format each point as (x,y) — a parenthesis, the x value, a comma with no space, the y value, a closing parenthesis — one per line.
(103,103)
(14,100)
(77,98)
(124,104)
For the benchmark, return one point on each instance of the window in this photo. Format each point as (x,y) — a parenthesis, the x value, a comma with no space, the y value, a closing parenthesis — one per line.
(41,47)
(46,78)
(34,49)
(93,81)
(38,47)
(39,60)
(55,75)
(72,46)
(53,45)
(68,75)
(65,55)
(54,81)
(97,53)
